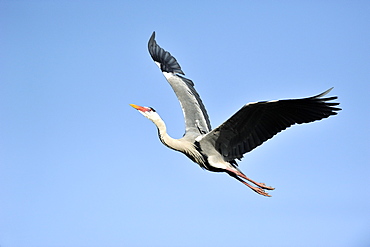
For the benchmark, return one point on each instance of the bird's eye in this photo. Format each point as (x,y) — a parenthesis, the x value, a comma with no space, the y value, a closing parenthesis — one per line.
(151,108)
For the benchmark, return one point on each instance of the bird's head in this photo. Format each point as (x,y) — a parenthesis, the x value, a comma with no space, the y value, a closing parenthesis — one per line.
(148,112)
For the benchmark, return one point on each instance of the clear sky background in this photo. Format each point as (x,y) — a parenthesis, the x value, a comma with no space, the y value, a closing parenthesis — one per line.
(80,167)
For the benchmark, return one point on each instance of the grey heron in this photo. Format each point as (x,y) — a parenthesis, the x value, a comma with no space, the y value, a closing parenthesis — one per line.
(218,149)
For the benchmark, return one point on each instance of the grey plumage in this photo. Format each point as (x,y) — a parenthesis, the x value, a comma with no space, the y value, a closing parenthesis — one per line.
(195,113)
(216,150)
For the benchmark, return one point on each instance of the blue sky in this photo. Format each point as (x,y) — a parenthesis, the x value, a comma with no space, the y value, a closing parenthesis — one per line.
(80,167)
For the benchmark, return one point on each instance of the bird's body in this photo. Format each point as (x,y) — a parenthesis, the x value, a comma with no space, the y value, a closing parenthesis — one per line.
(216,150)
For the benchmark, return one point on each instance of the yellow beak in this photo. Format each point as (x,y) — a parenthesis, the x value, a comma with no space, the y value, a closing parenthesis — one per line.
(135,106)
(140,108)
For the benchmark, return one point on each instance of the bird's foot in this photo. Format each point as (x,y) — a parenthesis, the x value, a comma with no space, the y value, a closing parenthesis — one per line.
(261,187)
(260,191)
(264,186)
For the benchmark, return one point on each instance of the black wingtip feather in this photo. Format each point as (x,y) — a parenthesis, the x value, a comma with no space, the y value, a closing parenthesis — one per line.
(255,123)
(167,62)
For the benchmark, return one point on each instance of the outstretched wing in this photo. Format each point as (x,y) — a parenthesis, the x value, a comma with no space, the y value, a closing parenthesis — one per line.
(257,122)
(195,114)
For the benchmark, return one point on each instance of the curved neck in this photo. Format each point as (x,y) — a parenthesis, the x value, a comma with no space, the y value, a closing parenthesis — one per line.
(181,145)
(164,137)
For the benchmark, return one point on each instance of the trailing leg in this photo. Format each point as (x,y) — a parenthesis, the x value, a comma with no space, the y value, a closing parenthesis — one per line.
(261,187)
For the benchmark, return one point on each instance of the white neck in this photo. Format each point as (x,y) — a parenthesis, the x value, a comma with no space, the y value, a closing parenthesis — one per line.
(164,137)
(180,145)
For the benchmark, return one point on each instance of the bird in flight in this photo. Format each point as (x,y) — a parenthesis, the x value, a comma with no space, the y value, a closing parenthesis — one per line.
(218,149)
